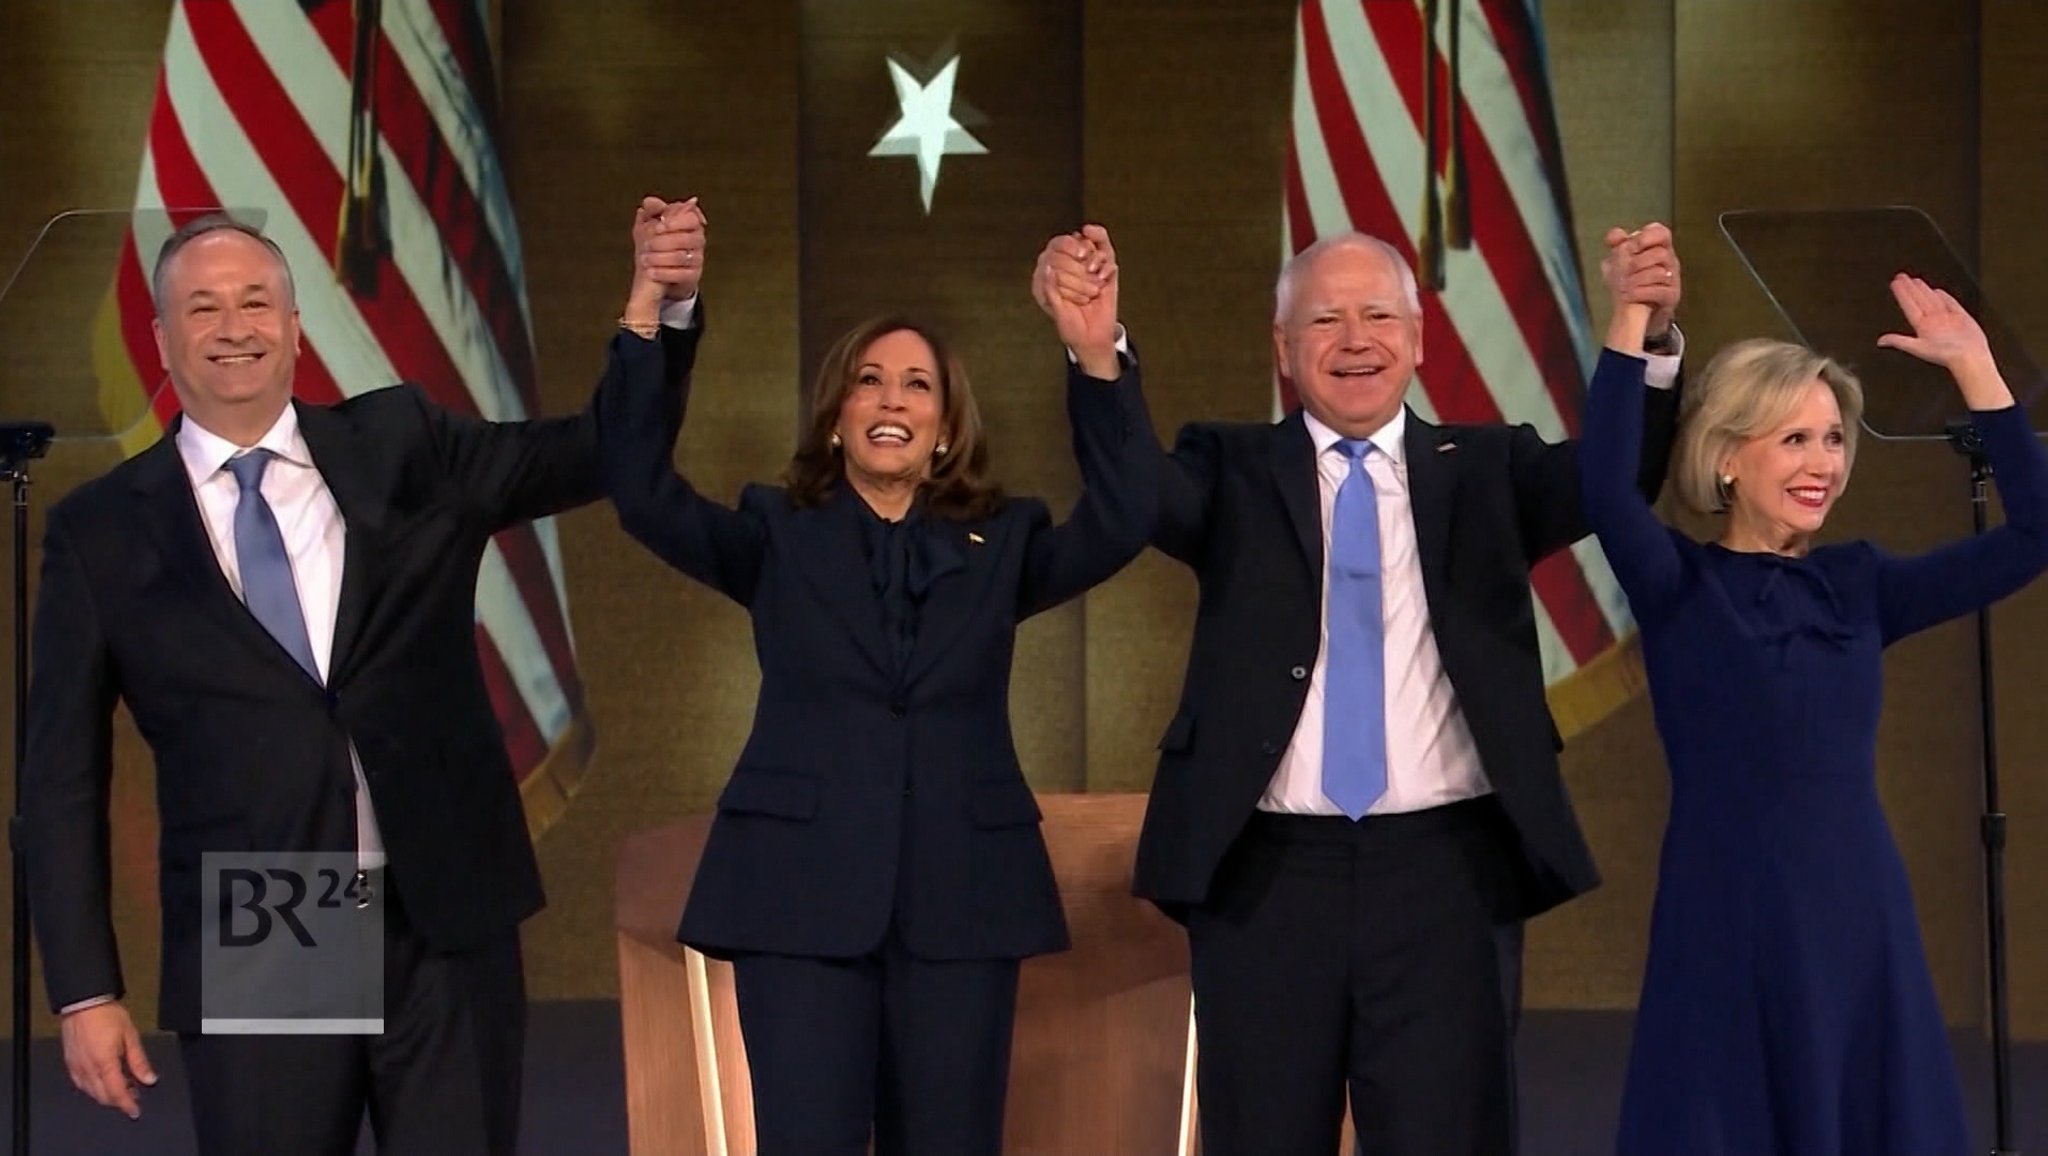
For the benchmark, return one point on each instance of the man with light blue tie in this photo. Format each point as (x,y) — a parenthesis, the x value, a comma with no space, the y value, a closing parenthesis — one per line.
(1360,783)
(283,594)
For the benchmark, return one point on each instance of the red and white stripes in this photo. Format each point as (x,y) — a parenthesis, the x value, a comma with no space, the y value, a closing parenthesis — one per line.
(1508,337)
(253,111)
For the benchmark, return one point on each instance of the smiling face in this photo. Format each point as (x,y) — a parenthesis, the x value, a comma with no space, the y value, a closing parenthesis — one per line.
(893,414)
(1786,479)
(227,331)
(1350,338)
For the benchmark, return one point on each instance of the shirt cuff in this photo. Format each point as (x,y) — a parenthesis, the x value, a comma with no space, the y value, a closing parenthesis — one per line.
(680,314)
(1662,370)
(1123,346)
(83,1004)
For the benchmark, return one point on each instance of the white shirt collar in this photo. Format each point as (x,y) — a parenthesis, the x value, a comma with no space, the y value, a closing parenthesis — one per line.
(1389,439)
(205,452)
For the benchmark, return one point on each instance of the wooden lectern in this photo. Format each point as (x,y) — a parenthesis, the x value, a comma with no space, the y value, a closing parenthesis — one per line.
(1101,1062)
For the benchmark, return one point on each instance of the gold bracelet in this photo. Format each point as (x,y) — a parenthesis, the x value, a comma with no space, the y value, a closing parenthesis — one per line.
(645,329)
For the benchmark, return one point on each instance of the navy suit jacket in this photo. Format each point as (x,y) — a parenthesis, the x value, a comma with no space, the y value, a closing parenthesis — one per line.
(866,795)
(252,754)
(1240,508)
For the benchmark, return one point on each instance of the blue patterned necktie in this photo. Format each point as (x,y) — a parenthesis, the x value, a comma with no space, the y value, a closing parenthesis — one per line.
(1355,673)
(267,586)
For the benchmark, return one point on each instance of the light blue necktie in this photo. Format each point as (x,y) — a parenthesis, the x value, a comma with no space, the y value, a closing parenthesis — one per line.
(1355,674)
(267,586)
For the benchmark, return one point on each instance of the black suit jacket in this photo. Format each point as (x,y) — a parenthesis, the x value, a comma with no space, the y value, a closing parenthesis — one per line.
(1240,506)
(251,751)
(865,794)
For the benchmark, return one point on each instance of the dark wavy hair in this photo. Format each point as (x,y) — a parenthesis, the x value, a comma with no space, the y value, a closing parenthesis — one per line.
(958,489)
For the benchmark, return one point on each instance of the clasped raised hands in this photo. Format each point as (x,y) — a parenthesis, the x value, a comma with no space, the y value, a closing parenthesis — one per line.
(1075,282)
(1641,269)
(668,251)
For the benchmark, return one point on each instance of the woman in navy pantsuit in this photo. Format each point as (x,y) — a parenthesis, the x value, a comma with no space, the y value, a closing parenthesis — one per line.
(875,870)
(1787,1009)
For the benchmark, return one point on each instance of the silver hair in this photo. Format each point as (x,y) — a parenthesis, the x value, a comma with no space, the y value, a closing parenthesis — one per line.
(1297,266)
(199,227)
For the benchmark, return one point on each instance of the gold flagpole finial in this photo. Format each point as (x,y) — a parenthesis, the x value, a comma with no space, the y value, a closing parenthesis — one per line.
(362,239)
(1458,206)
(1430,246)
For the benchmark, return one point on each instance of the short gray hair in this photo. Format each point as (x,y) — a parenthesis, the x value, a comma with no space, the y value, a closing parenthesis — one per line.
(1747,391)
(199,227)
(1297,266)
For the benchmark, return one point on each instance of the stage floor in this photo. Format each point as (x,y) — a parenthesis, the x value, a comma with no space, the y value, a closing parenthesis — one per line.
(1571,1068)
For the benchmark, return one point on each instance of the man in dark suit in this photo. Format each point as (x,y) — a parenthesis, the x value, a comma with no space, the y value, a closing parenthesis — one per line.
(1361,781)
(284,596)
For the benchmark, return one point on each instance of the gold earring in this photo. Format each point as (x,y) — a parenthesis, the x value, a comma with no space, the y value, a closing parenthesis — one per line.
(834,439)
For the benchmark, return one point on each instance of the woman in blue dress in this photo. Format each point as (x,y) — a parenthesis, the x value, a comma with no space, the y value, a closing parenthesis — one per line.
(1787,1008)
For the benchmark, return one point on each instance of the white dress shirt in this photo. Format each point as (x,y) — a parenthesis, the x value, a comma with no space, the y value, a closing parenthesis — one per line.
(314,539)
(1431,758)
(314,534)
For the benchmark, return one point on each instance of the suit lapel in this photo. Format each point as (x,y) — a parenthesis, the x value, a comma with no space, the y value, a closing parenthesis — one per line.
(1432,483)
(170,512)
(957,597)
(1294,472)
(344,462)
(828,549)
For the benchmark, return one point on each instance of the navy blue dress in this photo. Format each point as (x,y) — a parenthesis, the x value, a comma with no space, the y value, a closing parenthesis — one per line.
(1787,1008)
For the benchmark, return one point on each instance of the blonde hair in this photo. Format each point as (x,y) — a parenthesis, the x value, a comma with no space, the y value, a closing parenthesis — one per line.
(1748,390)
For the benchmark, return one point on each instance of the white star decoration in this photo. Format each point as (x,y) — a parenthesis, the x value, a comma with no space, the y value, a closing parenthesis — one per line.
(925,129)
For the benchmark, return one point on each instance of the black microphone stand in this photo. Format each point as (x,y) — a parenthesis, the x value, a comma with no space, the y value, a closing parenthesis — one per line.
(1963,437)
(20,443)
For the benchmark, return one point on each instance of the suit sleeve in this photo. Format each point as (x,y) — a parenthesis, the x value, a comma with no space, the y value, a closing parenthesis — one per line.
(1546,475)
(640,405)
(1120,464)
(1928,589)
(1188,479)
(1637,545)
(66,779)
(516,471)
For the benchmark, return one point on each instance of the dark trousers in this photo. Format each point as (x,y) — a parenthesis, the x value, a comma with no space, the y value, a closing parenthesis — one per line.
(1335,956)
(442,1080)
(1508,942)
(915,1051)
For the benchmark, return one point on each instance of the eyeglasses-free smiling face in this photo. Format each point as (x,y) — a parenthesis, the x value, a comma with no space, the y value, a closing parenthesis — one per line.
(1784,481)
(227,330)
(893,415)
(1349,339)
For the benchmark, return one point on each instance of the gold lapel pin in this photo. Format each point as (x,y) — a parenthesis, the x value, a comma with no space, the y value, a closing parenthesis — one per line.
(975,538)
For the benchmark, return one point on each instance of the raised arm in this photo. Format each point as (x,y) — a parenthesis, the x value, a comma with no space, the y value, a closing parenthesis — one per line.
(1919,592)
(1186,481)
(1641,266)
(1114,443)
(640,405)
(1075,283)
(520,470)
(640,408)
(1639,547)
(1120,460)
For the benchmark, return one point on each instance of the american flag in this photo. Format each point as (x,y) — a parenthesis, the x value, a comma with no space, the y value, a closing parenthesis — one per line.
(1444,143)
(364,131)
